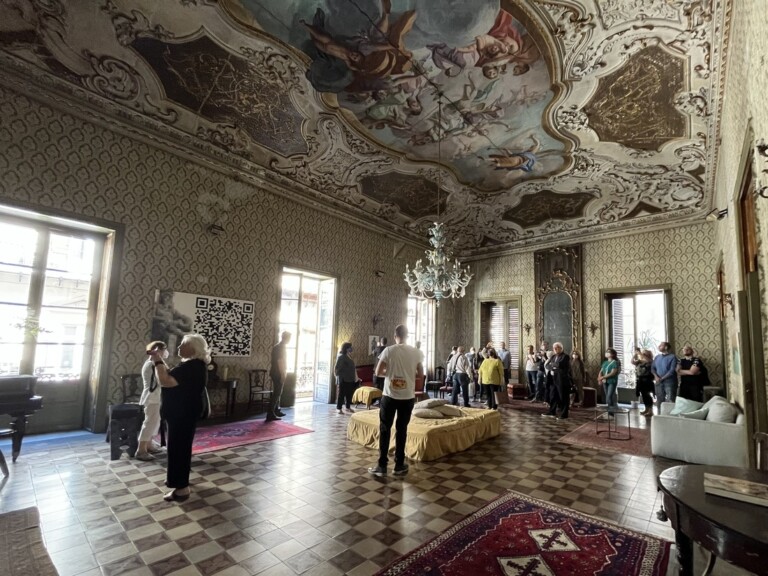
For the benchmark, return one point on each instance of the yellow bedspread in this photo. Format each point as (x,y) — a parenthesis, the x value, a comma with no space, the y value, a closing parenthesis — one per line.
(429,439)
(366,395)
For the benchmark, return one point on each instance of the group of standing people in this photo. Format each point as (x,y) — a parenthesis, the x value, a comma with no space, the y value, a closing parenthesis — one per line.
(488,370)
(666,376)
(559,382)
(554,377)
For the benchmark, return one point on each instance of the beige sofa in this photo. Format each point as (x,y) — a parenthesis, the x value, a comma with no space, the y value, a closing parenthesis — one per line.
(699,441)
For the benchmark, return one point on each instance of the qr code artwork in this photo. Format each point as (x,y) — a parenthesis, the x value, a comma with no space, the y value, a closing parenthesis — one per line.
(226,324)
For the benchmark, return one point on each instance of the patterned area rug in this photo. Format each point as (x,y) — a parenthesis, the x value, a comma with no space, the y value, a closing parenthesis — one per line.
(22,552)
(638,445)
(538,407)
(517,535)
(220,436)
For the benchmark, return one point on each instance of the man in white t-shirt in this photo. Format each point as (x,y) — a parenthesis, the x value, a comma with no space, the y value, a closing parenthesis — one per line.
(400,365)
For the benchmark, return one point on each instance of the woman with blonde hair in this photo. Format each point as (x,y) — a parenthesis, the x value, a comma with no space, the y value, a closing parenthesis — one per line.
(182,405)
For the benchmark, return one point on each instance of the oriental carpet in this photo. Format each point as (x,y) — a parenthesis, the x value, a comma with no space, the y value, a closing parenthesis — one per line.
(221,436)
(541,408)
(517,535)
(638,445)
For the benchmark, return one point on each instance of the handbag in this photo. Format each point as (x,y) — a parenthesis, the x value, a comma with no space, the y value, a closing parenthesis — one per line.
(205,404)
(205,410)
(502,395)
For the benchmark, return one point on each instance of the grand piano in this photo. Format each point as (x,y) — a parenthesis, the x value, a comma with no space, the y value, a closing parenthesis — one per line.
(17,398)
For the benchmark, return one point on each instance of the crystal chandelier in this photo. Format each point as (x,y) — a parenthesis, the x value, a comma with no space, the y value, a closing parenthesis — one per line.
(441,278)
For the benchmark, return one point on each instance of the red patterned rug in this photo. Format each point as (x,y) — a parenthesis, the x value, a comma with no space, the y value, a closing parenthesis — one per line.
(540,408)
(220,436)
(517,535)
(638,445)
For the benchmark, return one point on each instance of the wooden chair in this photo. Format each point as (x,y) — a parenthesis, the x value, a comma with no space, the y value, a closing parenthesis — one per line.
(132,386)
(420,393)
(445,388)
(761,445)
(437,381)
(4,433)
(259,388)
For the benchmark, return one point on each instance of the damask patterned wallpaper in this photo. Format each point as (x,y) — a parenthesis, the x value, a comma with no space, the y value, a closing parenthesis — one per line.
(57,161)
(678,256)
(745,121)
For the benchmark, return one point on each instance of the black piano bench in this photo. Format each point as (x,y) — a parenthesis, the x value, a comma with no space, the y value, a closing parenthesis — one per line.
(4,433)
(124,426)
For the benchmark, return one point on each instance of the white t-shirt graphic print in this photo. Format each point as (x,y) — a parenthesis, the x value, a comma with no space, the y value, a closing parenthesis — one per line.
(400,380)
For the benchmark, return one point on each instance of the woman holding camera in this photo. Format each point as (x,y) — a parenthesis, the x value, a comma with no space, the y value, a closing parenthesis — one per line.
(150,399)
(182,389)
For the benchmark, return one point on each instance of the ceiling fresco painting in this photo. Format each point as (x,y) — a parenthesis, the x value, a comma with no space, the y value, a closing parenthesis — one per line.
(484,66)
(539,120)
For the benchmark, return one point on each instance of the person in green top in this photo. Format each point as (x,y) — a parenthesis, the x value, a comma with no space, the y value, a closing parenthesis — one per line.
(609,378)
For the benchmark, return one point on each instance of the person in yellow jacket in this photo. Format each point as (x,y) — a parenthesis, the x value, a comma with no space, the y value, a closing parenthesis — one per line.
(491,376)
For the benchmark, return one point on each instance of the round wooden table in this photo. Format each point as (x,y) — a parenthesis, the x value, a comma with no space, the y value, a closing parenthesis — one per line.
(734,531)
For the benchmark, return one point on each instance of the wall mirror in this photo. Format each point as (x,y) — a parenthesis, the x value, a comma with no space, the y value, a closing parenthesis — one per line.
(559,295)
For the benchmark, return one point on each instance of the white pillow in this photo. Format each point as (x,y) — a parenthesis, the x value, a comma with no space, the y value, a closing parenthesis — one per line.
(450,410)
(712,400)
(683,406)
(427,413)
(722,411)
(700,414)
(429,403)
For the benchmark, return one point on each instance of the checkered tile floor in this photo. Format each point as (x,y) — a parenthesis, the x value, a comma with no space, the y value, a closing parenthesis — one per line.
(305,504)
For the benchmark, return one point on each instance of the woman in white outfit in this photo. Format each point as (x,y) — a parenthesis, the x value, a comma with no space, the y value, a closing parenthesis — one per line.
(150,399)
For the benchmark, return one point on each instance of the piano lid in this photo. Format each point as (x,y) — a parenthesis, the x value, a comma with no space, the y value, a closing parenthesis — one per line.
(17,387)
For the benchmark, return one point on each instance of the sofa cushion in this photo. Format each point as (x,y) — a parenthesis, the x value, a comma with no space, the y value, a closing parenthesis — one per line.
(683,406)
(700,414)
(427,413)
(429,403)
(722,411)
(449,410)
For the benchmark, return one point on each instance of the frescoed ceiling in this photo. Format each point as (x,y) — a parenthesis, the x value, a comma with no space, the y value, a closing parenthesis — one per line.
(538,121)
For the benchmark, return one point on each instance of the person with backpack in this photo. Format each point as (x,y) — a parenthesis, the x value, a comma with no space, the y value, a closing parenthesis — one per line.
(693,375)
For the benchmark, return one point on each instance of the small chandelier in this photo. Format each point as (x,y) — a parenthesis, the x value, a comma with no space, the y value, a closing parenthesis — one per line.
(441,278)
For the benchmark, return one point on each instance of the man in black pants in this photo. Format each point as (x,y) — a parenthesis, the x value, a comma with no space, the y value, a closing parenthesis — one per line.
(560,364)
(277,371)
(400,365)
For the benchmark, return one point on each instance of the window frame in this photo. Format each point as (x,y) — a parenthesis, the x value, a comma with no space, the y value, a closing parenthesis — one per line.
(607,295)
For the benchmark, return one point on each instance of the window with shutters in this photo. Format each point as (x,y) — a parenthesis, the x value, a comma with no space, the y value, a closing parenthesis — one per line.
(500,322)
(636,319)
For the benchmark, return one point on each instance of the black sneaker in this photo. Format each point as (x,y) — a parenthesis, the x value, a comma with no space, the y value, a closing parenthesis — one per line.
(401,470)
(377,471)
(272,418)
(280,413)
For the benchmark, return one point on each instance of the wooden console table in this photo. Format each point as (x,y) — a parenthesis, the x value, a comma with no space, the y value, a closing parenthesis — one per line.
(734,531)
(230,385)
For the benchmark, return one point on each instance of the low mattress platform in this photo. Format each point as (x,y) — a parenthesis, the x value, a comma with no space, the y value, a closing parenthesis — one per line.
(429,439)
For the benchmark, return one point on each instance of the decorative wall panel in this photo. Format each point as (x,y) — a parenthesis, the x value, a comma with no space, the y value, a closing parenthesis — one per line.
(676,256)
(56,161)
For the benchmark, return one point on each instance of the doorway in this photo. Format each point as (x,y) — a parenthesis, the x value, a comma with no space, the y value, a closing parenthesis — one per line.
(50,277)
(307,311)
(750,319)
